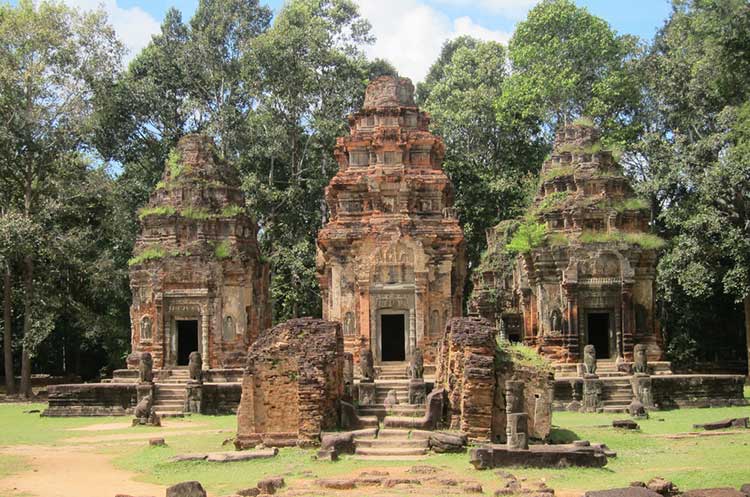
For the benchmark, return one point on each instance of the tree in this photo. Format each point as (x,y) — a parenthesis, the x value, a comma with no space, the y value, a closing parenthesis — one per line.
(568,63)
(490,162)
(698,86)
(312,73)
(52,61)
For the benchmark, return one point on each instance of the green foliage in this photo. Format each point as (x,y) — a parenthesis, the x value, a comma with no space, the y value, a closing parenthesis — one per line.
(682,351)
(529,235)
(232,211)
(557,172)
(197,213)
(521,355)
(161,210)
(149,254)
(557,239)
(223,250)
(553,201)
(584,121)
(568,63)
(174,164)
(644,240)
(491,163)
(630,204)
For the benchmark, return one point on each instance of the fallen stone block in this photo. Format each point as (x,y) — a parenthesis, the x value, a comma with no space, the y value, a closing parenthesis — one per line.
(745,489)
(189,457)
(537,456)
(724,423)
(337,484)
(248,492)
(662,486)
(392,482)
(445,442)
(341,443)
(714,492)
(472,488)
(271,485)
(157,442)
(186,489)
(623,492)
(242,456)
(626,424)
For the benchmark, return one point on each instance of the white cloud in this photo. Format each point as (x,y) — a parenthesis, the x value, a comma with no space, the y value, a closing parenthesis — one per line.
(509,9)
(411,40)
(133,25)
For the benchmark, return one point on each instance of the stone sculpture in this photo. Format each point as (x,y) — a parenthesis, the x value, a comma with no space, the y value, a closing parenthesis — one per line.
(640,359)
(146,368)
(415,370)
(366,368)
(144,413)
(195,367)
(589,359)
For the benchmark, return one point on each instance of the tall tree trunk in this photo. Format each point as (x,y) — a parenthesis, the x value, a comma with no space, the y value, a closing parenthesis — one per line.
(10,381)
(28,285)
(747,333)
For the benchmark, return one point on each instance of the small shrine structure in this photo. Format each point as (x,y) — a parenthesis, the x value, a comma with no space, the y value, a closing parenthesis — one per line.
(391,259)
(198,281)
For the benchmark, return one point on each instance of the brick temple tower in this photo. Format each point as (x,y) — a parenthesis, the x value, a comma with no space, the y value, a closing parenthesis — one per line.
(589,278)
(391,261)
(197,279)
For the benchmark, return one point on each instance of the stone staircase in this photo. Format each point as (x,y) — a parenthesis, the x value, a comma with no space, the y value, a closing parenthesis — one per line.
(605,369)
(391,370)
(170,393)
(617,393)
(391,444)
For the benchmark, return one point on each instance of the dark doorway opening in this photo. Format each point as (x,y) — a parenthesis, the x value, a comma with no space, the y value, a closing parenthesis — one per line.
(392,337)
(598,328)
(187,340)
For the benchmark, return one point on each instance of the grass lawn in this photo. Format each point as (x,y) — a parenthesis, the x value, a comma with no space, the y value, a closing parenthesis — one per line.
(690,462)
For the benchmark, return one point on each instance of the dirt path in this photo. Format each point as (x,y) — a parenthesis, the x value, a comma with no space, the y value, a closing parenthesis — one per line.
(71,471)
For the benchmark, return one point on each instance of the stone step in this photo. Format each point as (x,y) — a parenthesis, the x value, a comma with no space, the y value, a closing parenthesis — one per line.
(170,414)
(615,409)
(360,457)
(397,433)
(403,443)
(168,408)
(382,412)
(391,451)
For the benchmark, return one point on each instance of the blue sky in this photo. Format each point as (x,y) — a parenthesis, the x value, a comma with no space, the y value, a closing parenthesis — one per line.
(409,32)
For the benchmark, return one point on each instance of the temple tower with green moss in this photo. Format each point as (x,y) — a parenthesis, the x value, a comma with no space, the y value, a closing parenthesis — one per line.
(197,276)
(579,268)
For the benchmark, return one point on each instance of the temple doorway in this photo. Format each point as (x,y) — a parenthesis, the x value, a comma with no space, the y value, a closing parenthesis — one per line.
(393,337)
(598,333)
(187,340)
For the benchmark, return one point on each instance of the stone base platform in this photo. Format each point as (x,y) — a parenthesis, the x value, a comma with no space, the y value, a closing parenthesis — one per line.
(669,391)
(119,397)
(540,456)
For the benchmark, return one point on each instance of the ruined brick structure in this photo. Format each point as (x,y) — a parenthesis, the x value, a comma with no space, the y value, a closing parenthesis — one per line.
(293,383)
(197,279)
(474,373)
(391,259)
(590,279)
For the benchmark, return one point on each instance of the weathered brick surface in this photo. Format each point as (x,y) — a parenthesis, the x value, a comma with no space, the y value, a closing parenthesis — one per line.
(293,383)
(474,378)
(465,368)
(393,244)
(204,262)
(593,259)
(91,399)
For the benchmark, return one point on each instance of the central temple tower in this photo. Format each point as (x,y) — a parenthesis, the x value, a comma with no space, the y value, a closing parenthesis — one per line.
(391,260)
